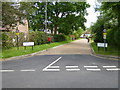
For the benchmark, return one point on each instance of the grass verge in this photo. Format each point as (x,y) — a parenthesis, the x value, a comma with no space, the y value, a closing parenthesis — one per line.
(110,50)
(14,52)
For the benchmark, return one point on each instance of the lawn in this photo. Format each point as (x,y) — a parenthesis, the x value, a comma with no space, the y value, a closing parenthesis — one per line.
(110,50)
(14,52)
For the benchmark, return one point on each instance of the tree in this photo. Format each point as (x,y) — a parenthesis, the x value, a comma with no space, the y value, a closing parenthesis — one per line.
(65,17)
(14,12)
(111,9)
(9,14)
(110,20)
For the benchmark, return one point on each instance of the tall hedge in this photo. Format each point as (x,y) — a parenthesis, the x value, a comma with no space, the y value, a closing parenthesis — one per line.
(9,39)
(38,37)
(61,37)
(113,37)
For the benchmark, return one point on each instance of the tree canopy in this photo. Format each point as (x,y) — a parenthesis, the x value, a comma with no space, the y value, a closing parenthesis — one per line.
(65,17)
(109,19)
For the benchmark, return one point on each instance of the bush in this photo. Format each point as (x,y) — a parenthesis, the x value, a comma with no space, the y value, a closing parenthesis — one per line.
(98,37)
(110,36)
(38,37)
(113,37)
(61,37)
(117,37)
(5,41)
(67,38)
(9,39)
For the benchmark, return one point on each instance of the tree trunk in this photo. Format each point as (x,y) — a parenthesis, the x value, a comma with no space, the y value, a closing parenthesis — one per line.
(55,31)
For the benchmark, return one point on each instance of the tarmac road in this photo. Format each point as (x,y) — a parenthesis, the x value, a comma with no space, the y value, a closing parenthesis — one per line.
(55,69)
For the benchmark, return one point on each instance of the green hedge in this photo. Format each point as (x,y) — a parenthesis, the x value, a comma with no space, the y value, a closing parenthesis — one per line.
(113,37)
(38,37)
(61,37)
(9,39)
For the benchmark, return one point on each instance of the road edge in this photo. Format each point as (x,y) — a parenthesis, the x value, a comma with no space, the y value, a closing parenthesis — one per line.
(103,56)
(30,55)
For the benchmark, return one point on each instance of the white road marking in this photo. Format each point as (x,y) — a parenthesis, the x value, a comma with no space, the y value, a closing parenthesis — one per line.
(71,67)
(51,70)
(93,69)
(27,70)
(114,69)
(109,66)
(7,70)
(90,66)
(54,67)
(49,66)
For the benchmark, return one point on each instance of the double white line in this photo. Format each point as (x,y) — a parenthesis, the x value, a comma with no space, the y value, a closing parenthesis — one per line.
(72,68)
(92,68)
(111,68)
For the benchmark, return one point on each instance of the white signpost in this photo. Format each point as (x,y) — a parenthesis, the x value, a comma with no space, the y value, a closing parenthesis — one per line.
(102,44)
(28,44)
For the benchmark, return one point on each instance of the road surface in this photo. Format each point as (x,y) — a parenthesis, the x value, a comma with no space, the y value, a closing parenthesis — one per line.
(67,66)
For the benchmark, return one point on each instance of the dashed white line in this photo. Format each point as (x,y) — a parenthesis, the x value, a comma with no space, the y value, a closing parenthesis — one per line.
(109,66)
(90,66)
(93,69)
(27,70)
(71,66)
(114,69)
(73,69)
(7,70)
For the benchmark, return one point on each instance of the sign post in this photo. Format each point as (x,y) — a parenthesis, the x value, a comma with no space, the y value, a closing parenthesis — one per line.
(102,45)
(104,37)
(17,34)
(28,44)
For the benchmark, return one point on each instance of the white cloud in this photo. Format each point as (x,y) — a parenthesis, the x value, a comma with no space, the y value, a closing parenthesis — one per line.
(92,15)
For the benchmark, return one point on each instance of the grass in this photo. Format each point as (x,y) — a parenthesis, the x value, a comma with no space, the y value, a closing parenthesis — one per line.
(110,50)
(14,52)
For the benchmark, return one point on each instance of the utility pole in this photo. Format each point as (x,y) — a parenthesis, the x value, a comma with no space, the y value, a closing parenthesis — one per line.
(46,16)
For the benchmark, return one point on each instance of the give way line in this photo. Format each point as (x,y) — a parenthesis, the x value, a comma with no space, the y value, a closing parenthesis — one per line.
(56,68)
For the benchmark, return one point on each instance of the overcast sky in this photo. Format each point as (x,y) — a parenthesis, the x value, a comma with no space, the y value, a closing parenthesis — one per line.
(92,15)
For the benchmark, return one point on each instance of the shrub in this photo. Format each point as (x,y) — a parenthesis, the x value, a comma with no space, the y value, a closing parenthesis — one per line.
(38,37)
(59,38)
(110,36)
(117,37)
(5,41)
(9,39)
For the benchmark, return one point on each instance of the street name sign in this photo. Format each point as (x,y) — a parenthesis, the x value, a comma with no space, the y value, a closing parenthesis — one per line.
(102,45)
(28,43)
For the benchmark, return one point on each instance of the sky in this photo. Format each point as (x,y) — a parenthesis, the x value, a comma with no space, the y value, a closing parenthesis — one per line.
(92,15)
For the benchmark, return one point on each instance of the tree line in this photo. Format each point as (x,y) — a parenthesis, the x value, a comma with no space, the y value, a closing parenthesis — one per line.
(64,17)
(109,19)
